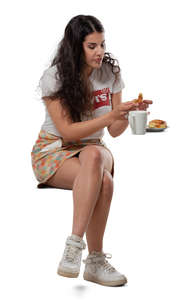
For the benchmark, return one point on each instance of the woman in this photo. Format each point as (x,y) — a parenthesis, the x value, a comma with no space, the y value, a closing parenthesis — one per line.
(81,91)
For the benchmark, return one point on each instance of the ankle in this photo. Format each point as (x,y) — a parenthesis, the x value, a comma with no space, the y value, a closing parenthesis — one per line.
(76,236)
(78,233)
(95,251)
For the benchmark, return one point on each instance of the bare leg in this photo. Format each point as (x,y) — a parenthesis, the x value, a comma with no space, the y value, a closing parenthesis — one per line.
(86,190)
(97,224)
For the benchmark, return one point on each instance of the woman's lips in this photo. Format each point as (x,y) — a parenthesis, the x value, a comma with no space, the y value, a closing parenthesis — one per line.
(98,60)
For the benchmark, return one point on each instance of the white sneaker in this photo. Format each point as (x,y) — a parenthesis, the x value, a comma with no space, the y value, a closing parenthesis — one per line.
(98,270)
(70,263)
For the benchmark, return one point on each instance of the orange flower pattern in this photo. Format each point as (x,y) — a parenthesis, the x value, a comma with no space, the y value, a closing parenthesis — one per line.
(46,163)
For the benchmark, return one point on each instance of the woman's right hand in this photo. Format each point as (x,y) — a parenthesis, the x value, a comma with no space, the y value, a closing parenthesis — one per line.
(122,109)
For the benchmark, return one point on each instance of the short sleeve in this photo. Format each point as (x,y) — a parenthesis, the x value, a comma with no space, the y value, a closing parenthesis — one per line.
(48,83)
(118,84)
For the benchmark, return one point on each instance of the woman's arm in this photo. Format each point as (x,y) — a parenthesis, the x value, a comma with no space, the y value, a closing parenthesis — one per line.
(82,129)
(75,131)
(117,127)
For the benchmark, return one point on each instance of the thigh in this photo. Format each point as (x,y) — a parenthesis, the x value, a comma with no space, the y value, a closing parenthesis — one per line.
(90,153)
(65,175)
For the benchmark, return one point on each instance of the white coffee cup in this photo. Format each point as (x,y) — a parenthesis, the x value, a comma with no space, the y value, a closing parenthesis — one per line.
(138,121)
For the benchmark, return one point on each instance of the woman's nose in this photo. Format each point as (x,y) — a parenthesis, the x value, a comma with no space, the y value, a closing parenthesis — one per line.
(99,51)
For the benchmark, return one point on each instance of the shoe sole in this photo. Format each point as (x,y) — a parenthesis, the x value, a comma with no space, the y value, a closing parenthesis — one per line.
(88,277)
(67,274)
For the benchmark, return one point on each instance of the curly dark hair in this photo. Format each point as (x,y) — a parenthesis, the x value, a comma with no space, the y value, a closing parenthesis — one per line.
(75,91)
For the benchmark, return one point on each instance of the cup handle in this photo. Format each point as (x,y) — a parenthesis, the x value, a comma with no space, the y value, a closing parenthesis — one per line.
(134,124)
(130,121)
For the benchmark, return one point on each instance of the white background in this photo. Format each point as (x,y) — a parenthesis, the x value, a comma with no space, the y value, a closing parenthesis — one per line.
(145,232)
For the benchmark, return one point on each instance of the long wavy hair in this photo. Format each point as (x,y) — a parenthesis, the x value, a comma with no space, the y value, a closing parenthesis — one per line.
(75,90)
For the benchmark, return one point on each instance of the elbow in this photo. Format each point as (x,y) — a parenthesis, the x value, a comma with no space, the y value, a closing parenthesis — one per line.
(68,136)
(112,135)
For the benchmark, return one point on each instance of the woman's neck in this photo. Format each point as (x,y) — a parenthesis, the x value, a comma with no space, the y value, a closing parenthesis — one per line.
(88,71)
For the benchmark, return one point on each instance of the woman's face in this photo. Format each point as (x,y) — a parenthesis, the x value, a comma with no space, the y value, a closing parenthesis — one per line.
(94,49)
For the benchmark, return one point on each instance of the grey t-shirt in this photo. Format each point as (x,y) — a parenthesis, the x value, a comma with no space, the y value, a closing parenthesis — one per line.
(104,84)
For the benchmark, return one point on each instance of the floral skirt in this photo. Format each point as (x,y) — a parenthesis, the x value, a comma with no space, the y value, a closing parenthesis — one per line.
(50,151)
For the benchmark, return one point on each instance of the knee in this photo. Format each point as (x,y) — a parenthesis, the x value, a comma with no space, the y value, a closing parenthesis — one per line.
(107,184)
(91,156)
(95,155)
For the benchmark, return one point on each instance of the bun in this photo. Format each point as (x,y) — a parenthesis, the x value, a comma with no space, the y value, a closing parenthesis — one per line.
(157,124)
(140,98)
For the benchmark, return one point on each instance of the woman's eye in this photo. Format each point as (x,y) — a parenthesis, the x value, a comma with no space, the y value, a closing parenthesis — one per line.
(93,47)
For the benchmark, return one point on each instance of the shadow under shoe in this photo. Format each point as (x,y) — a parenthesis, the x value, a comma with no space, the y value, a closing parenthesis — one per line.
(98,270)
(70,263)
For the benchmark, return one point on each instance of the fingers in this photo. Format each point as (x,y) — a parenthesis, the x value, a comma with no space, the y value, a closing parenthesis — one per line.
(143,106)
(148,101)
(129,105)
(129,102)
(139,106)
(133,104)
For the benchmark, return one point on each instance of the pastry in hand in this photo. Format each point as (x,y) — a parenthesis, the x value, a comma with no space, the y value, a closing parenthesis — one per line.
(140,98)
(157,124)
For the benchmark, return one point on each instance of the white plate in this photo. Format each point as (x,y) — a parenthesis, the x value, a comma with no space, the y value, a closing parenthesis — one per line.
(155,129)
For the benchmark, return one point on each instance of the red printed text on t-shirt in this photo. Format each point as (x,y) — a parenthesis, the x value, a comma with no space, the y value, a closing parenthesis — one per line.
(101,98)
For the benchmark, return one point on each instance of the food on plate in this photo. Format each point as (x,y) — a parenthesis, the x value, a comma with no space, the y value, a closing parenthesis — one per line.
(157,124)
(140,98)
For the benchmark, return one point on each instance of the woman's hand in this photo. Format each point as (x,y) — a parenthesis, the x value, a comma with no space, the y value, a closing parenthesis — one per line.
(122,109)
(144,105)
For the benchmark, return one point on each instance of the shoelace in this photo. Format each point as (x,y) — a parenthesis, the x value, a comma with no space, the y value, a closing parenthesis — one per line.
(101,259)
(71,253)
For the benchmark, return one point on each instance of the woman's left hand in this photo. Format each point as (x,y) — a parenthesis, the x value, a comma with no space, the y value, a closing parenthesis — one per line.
(144,105)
